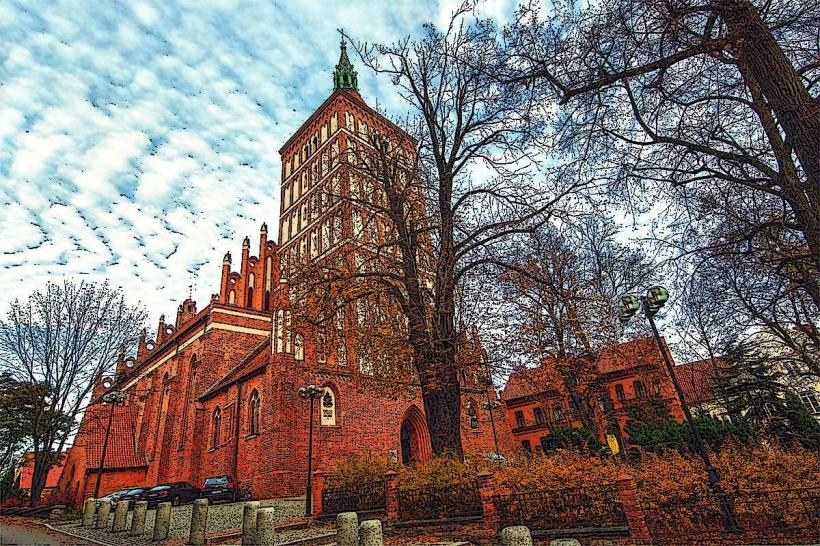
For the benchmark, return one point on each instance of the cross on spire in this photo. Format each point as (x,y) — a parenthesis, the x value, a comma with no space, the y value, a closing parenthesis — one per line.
(345,77)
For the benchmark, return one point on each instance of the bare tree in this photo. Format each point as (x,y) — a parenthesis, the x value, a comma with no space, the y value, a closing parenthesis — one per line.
(428,219)
(706,110)
(63,339)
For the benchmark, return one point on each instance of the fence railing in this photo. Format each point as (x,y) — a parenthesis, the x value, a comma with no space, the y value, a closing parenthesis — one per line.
(353,498)
(545,510)
(457,500)
(782,514)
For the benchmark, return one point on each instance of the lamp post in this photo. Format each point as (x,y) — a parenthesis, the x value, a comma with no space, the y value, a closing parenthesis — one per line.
(655,298)
(112,398)
(491,405)
(310,392)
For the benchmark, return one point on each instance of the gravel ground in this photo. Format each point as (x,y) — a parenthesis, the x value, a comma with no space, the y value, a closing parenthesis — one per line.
(221,518)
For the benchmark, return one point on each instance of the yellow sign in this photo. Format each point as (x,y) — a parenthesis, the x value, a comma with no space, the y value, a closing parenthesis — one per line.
(612,441)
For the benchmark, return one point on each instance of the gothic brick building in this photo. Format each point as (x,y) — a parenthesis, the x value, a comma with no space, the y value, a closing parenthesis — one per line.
(216,391)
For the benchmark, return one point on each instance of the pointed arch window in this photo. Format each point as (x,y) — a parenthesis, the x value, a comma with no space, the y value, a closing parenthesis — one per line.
(253,413)
(328,408)
(251,282)
(232,297)
(298,347)
(216,425)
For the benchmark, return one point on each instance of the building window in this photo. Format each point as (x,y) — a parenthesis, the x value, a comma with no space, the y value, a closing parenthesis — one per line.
(251,280)
(472,414)
(545,444)
(811,401)
(253,413)
(519,419)
(526,445)
(216,424)
(640,390)
(321,348)
(328,408)
(619,392)
(298,347)
(232,297)
(540,418)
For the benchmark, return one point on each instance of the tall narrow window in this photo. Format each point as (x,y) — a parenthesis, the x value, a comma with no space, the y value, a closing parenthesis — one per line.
(216,425)
(253,413)
(619,392)
(640,390)
(251,280)
(519,419)
(321,348)
(298,347)
(328,417)
(232,297)
(540,418)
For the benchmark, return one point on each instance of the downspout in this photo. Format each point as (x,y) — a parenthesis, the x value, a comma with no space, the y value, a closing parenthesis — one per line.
(236,431)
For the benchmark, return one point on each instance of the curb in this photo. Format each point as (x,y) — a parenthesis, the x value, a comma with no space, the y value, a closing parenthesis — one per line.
(75,535)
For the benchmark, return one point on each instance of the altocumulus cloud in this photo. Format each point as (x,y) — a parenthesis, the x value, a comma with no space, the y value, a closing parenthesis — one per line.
(138,141)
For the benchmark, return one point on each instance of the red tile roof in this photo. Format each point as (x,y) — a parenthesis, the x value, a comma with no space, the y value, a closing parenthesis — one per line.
(697,380)
(634,353)
(27,471)
(122,451)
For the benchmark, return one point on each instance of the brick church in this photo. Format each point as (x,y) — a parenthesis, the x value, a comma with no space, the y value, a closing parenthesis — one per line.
(216,390)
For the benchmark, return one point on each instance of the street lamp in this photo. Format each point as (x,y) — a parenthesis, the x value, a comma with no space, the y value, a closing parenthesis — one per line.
(655,298)
(491,405)
(310,392)
(112,398)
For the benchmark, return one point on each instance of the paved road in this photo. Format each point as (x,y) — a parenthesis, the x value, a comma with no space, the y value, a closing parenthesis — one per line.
(17,534)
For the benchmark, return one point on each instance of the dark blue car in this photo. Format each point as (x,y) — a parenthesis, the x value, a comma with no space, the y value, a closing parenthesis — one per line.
(176,493)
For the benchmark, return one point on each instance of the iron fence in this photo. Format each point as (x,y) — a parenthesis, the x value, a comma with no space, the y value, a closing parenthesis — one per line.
(556,509)
(457,500)
(787,514)
(353,498)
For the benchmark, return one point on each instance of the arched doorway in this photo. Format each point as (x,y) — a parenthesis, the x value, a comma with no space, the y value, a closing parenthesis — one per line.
(415,440)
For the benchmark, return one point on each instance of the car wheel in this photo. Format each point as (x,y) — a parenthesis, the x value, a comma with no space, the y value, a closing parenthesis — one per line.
(175,501)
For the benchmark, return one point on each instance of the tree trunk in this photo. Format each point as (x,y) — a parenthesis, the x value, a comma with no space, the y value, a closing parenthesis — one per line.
(797,112)
(441,393)
(42,465)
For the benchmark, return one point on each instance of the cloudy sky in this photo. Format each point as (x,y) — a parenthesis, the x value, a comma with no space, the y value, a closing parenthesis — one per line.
(138,140)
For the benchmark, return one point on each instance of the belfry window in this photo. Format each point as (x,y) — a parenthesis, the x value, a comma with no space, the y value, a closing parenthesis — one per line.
(216,425)
(253,413)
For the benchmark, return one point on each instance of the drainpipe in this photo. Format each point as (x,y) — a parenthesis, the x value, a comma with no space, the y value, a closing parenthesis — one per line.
(236,431)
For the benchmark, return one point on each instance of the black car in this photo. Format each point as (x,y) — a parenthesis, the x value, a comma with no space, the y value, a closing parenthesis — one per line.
(112,498)
(132,496)
(220,488)
(176,493)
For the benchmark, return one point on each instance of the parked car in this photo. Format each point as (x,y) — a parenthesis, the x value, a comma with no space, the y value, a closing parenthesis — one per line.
(132,496)
(176,493)
(220,488)
(112,498)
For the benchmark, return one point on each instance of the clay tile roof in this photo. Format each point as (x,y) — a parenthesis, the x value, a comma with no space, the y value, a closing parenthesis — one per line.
(250,364)
(697,380)
(122,449)
(525,382)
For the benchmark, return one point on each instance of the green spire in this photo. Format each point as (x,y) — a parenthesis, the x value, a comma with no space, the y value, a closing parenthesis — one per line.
(344,77)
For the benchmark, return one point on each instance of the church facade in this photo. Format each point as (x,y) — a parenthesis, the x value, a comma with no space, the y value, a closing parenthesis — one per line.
(216,391)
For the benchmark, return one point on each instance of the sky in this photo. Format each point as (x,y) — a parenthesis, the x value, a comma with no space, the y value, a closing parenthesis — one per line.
(139,140)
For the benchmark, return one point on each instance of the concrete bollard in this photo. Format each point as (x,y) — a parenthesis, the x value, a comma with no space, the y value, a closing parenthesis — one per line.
(347,529)
(565,542)
(370,533)
(120,517)
(89,512)
(266,526)
(162,522)
(199,520)
(517,535)
(138,519)
(103,511)
(249,522)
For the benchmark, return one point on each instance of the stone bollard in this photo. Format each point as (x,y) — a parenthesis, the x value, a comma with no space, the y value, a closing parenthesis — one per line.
(103,512)
(347,529)
(517,535)
(249,522)
(89,512)
(266,526)
(120,517)
(138,519)
(162,522)
(565,542)
(199,520)
(370,533)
